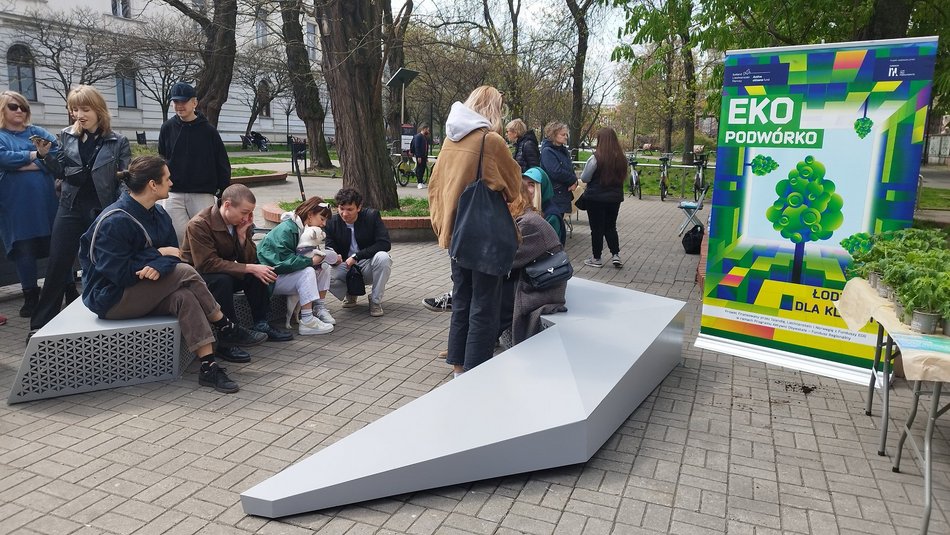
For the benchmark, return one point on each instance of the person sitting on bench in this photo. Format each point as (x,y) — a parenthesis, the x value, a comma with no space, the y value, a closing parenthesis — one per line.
(218,243)
(132,268)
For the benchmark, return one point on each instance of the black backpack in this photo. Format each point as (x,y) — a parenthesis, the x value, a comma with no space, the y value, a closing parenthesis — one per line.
(693,239)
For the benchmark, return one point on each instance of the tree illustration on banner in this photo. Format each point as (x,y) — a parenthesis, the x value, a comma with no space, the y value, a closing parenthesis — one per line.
(762,165)
(862,125)
(807,209)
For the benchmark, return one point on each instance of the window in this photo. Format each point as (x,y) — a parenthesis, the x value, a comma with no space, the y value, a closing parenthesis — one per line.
(263,95)
(122,8)
(312,41)
(260,27)
(125,73)
(22,72)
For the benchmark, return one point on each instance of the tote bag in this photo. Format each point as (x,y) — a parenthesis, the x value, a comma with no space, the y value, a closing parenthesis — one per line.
(484,237)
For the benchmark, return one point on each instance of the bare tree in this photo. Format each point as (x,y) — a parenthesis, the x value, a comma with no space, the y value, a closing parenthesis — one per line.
(580,11)
(75,46)
(351,39)
(262,72)
(394,35)
(303,82)
(218,53)
(166,51)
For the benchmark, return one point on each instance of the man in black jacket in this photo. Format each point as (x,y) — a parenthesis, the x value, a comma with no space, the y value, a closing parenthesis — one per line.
(196,157)
(359,235)
(419,148)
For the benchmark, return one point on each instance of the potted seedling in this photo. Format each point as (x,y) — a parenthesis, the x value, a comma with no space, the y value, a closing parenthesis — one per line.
(896,273)
(924,296)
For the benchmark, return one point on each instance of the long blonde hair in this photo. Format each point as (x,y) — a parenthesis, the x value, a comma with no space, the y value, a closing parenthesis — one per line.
(488,102)
(86,95)
(524,202)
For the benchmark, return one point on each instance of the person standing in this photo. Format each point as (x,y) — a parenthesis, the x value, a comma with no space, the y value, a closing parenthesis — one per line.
(91,155)
(419,148)
(219,244)
(556,162)
(476,296)
(196,158)
(359,235)
(27,196)
(525,141)
(604,175)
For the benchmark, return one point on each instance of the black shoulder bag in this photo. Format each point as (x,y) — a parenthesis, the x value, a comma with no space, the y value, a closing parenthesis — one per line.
(548,269)
(484,237)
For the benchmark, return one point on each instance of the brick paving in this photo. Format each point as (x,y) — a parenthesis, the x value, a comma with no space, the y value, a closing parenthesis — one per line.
(724,445)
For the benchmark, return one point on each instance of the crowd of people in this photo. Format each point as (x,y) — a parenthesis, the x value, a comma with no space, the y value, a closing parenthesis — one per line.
(169,234)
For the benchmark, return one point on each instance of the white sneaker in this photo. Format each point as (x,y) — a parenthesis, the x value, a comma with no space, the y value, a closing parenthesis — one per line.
(313,325)
(324,316)
(420,186)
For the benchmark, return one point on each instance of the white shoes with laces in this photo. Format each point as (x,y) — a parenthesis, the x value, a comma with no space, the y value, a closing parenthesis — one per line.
(313,325)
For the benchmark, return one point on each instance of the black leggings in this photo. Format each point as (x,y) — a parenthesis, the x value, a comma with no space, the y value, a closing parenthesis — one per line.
(603,224)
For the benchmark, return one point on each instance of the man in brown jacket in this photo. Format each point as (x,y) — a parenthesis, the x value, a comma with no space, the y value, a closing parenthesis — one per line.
(218,244)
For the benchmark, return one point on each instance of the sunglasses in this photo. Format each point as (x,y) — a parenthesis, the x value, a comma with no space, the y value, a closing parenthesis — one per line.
(13,106)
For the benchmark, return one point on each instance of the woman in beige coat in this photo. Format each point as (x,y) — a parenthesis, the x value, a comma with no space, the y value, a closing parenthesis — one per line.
(476,296)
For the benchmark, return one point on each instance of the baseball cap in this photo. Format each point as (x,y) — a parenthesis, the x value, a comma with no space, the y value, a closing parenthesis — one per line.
(182,91)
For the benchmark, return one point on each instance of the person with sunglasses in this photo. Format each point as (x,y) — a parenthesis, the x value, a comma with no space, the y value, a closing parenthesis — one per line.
(91,156)
(307,277)
(27,194)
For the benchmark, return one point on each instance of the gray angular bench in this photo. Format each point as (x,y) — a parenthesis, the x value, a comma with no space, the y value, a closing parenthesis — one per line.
(78,352)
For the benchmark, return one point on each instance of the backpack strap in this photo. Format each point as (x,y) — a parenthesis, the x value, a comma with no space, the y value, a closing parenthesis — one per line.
(95,232)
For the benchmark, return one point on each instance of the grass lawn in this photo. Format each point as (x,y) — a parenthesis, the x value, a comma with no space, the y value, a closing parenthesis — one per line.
(270,158)
(934,199)
(244,171)
(408,207)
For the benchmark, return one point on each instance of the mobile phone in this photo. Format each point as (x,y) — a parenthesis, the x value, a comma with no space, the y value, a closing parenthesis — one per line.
(35,137)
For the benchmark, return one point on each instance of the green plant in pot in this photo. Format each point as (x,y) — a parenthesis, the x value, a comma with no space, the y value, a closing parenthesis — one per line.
(924,296)
(895,273)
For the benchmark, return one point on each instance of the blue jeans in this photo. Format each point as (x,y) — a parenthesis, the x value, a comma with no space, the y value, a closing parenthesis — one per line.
(476,308)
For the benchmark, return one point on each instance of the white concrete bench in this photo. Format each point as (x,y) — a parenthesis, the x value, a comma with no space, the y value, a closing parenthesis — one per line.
(552,400)
(78,352)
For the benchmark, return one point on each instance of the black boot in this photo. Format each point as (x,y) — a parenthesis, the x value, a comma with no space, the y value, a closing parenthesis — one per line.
(31,298)
(71,294)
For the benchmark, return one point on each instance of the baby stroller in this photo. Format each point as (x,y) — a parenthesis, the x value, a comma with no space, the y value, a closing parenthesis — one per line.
(259,141)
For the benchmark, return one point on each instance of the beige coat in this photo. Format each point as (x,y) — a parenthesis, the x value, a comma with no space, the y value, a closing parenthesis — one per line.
(457,167)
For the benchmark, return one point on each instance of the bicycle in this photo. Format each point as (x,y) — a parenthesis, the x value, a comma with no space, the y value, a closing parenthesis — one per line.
(664,175)
(404,167)
(699,179)
(635,186)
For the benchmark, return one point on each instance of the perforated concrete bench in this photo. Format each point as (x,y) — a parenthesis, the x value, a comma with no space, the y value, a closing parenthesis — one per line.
(78,352)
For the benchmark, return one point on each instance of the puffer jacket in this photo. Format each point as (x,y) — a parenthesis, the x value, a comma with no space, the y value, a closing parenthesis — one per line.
(556,162)
(115,155)
(526,151)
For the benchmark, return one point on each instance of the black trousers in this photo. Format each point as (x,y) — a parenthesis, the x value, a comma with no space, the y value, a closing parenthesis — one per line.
(222,286)
(476,308)
(603,224)
(421,169)
(73,217)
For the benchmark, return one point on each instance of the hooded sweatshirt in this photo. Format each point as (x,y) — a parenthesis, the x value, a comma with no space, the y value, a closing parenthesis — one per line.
(457,167)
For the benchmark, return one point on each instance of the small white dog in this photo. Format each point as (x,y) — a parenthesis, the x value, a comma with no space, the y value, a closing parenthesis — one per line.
(310,244)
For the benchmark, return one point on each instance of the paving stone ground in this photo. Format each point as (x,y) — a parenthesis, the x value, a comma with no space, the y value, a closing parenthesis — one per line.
(724,445)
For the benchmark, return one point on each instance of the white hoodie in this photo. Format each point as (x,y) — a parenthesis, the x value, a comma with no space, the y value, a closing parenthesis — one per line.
(463,120)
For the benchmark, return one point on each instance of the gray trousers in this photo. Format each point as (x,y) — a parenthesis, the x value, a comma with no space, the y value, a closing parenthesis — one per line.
(182,293)
(181,207)
(376,271)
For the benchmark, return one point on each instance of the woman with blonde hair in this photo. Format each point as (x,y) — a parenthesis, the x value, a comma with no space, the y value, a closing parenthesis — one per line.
(526,144)
(27,197)
(473,138)
(556,162)
(91,155)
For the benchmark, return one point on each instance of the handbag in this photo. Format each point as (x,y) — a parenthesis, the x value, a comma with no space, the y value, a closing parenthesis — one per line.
(548,269)
(355,285)
(581,202)
(484,237)
(693,239)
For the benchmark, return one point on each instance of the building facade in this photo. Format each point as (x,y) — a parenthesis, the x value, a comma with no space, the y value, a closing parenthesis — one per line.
(133,108)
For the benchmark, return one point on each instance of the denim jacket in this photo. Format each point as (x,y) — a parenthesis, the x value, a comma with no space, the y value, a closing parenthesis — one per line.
(115,155)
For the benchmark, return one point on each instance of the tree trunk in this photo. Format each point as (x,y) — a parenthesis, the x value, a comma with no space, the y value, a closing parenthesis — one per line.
(214,80)
(577,75)
(798,263)
(304,85)
(395,59)
(689,75)
(352,64)
(255,112)
(889,20)
(668,105)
